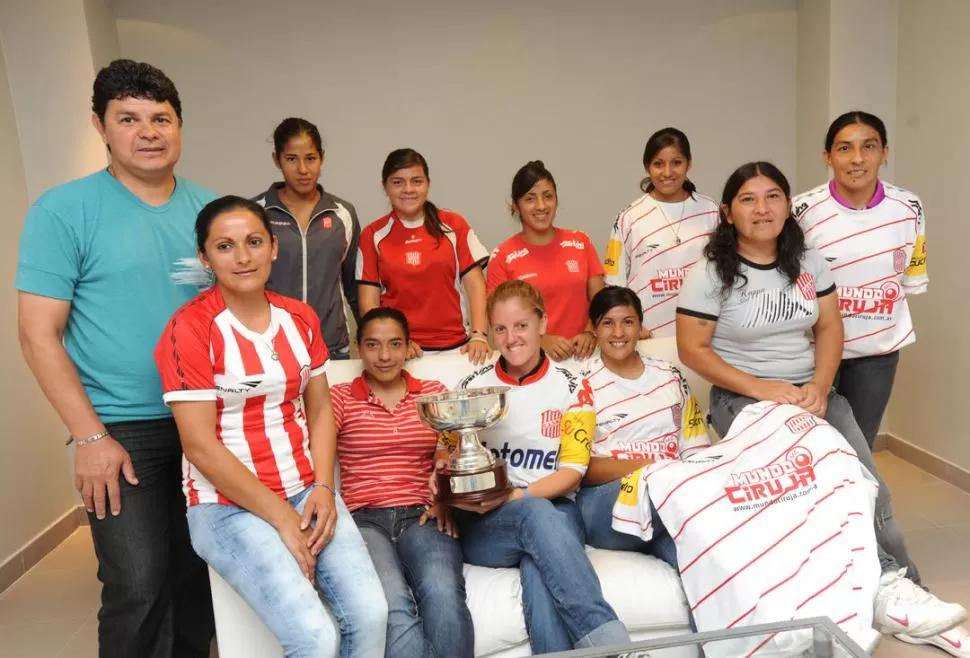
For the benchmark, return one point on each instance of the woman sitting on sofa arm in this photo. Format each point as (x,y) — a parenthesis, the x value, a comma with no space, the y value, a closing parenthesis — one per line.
(386,456)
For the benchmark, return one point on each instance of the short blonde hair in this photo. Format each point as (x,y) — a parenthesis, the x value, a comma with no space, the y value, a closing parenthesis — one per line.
(515,289)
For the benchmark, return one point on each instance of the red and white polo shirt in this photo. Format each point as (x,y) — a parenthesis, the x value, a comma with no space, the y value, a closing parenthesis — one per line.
(257,382)
(386,455)
(560,271)
(421,276)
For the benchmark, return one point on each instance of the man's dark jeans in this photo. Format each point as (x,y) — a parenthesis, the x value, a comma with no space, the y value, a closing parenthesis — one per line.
(155,600)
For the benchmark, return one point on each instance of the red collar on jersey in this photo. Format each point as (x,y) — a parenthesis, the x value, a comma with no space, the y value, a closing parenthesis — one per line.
(360,389)
(533,375)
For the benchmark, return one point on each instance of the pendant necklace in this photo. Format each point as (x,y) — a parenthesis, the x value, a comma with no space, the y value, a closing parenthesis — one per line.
(676,231)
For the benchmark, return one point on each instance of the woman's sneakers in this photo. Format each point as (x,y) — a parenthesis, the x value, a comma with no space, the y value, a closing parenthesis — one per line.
(955,641)
(904,608)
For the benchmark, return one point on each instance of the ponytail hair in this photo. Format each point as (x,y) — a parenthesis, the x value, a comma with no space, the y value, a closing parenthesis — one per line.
(659,141)
(402,159)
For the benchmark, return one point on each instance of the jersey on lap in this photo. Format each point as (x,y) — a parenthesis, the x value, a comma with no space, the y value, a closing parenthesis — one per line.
(125,266)
(560,270)
(420,275)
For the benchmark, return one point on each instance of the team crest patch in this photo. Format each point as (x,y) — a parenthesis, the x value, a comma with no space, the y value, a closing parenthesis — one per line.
(304,377)
(572,265)
(806,285)
(678,412)
(413,258)
(899,260)
(327,222)
(550,423)
(801,423)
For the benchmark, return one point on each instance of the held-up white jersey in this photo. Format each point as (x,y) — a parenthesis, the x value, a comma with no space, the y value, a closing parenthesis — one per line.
(652,245)
(654,416)
(878,258)
(549,424)
(775,522)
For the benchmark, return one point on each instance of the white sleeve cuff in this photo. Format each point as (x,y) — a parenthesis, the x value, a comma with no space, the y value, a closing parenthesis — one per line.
(322,370)
(207,395)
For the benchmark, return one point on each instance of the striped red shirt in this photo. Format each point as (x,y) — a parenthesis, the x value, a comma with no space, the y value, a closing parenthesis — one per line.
(386,455)
(257,382)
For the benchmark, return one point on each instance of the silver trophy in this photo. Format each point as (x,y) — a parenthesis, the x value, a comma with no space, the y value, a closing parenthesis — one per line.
(473,474)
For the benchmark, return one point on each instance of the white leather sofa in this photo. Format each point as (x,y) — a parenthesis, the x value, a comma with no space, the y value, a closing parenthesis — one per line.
(644,591)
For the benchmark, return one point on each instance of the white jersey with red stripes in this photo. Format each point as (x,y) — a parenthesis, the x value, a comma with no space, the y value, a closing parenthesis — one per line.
(775,522)
(651,247)
(654,416)
(878,258)
(256,381)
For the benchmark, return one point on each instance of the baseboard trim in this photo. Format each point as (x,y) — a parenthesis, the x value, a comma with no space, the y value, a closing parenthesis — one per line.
(37,548)
(929,462)
(881,442)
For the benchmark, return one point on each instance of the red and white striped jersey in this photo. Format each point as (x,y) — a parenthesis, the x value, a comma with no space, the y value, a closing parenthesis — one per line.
(256,381)
(774,522)
(654,416)
(549,424)
(386,455)
(421,276)
(651,247)
(878,258)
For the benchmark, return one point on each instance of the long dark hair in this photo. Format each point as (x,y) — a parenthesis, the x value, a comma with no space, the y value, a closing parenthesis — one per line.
(402,159)
(722,250)
(855,116)
(659,141)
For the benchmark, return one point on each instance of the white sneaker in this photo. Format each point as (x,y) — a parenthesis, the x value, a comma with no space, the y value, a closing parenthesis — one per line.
(904,607)
(955,641)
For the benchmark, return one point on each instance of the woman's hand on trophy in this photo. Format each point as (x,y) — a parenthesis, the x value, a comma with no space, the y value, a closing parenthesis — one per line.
(433,480)
(446,520)
(320,513)
(486,506)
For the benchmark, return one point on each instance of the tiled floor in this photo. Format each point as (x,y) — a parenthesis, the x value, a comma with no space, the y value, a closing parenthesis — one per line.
(51,612)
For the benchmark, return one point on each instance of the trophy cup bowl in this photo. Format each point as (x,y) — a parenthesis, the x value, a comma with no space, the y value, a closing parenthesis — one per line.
(473,474)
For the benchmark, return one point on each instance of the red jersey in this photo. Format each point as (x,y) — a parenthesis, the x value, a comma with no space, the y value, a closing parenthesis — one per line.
(386,455)
(560,270)
(257,382)
(421,276)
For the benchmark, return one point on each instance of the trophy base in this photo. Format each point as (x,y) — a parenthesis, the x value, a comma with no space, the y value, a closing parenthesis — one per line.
(471,487)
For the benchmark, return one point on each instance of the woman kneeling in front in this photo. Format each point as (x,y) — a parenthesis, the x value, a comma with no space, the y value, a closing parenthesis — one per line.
(244,372)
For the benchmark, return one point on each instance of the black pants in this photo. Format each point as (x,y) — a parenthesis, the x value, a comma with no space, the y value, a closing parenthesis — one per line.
(155,599)
(867,382)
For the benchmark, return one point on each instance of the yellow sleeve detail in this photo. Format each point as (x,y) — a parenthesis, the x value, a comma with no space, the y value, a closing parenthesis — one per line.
(630,489)
(693,420)
(576,437)
(917,263)
(614,252)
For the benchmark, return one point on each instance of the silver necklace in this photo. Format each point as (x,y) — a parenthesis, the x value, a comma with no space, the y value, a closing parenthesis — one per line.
(269,345)
(676,232)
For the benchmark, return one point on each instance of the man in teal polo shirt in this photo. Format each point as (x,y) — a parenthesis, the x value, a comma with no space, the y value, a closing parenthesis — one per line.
(104,262)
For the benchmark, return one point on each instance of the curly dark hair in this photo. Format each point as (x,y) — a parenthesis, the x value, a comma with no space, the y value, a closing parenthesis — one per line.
(722,250)
(125,78)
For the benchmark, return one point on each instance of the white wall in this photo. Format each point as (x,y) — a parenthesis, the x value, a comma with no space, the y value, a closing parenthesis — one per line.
(479,88)
(932,143)
(813,73)
(34,481)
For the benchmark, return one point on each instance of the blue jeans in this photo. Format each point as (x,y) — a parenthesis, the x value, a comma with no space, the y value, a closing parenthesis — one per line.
(249,554)
(725,407)
(596,505)
(155,598)
(561,595)
(420,568)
